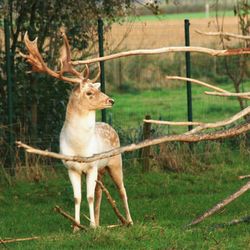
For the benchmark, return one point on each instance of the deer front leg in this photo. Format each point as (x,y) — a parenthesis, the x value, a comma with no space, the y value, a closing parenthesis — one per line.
(91,184)
(75,179)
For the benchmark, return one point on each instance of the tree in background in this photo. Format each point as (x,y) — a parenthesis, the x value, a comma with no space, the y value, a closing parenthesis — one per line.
(38,103)
(236,67)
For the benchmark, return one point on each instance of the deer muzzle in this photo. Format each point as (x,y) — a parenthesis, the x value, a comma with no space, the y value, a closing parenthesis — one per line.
(110,101)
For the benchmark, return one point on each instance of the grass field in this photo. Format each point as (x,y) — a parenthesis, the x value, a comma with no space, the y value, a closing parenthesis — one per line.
(182,16)
(170,104)
(161,205)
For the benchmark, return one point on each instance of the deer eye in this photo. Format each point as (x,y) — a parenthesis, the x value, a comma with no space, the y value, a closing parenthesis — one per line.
(89,93)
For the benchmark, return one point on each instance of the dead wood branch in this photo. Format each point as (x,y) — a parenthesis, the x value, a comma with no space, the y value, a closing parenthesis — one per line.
(244,177)
(113,226)
(4,241)
(149,142)
(221,204)
(112,203)
(212,52)
(204,84)
(223,34)
(232,119)
(69,217)
(201,125)
(173,123)
(246,94)
(237,221)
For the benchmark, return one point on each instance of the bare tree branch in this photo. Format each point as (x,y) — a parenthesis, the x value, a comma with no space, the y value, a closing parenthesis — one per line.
(173,123)
(221,204)
(203,84)
(212,52)
(246,94)
(225,34)
(113,203)
(232,119)
(149,142)
(69,217)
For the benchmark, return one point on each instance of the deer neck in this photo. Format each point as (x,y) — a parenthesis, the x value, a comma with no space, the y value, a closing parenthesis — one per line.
(83,121)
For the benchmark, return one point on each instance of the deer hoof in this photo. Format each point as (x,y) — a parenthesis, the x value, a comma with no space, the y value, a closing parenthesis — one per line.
(76,229)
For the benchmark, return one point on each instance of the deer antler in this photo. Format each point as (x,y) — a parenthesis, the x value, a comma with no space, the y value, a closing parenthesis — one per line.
(98,74)
(38,65)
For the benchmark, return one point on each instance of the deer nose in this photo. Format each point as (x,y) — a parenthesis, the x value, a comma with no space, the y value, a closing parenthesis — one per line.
(111,101)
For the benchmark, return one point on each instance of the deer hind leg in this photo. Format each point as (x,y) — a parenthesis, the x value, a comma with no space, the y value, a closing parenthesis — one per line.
(98,198)
(115,171)
(75,179)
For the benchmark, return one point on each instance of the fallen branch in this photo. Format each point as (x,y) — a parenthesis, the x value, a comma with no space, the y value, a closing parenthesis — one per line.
(237,221)
(246,94)
(212,52)
(113,203)
(113,226)
(222,204)
(149,142)
(225,34)
(204,84)
(4,241)
(173,123)
(244,177)
(70,218)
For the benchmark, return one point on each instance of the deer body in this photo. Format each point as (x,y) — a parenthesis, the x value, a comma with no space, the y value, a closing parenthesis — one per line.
(81,135)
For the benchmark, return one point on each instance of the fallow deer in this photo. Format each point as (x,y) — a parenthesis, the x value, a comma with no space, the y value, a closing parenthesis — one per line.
(81,135)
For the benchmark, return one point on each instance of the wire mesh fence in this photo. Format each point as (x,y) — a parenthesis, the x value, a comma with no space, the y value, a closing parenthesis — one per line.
(139,87)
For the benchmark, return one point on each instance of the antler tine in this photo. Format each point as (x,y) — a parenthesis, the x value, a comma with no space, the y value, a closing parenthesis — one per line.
(38,65)
(34,57)
(65,59)
(98,74)
(86,72)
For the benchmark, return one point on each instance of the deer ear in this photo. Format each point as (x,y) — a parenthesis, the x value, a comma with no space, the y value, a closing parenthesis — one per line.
(96,85)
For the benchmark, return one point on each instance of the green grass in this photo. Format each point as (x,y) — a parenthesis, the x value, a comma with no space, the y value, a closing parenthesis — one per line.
(180,16)
(161,205)
(170,104)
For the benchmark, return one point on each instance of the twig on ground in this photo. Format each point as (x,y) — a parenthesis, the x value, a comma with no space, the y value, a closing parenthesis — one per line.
(221,204)
(4,241)
(114,226)
(237,221)
(149,142)
(244,176)
(86,217)
(113,203)
(69,217)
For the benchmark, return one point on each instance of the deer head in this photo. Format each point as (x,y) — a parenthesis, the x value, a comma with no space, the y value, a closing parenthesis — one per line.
(86,94)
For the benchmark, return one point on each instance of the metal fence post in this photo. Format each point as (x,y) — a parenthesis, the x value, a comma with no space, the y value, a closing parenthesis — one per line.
(101,53)
(188,74)
(145,152)
(8,64)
